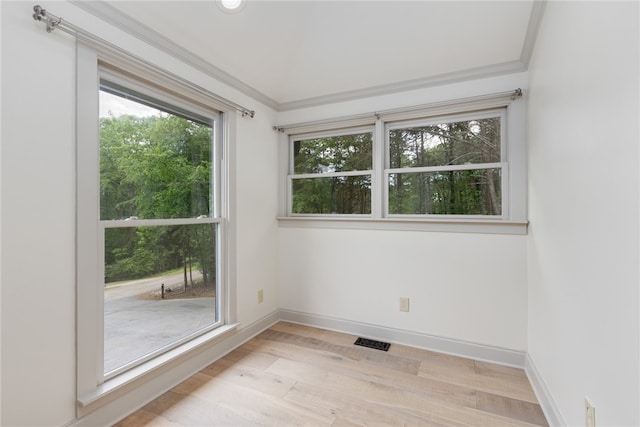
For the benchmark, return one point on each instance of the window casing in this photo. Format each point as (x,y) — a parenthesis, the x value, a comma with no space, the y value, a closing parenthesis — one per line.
(207,219)
(448,167)
(331,173)
(158,214)
(480,187)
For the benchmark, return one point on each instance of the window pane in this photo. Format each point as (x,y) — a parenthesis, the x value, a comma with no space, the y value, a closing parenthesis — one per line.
(139,318)
(457,143)
(336,195)
(153,164)
(333,154)
(467,192)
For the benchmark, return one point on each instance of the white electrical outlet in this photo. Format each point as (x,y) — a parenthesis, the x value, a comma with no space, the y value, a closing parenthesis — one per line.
(404,304)
(589,413)
(260,296)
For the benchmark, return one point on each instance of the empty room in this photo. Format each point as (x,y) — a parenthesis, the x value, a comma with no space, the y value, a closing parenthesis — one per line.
(320,212)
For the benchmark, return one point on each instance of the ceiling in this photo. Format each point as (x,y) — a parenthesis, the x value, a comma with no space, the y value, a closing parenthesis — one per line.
(298,53)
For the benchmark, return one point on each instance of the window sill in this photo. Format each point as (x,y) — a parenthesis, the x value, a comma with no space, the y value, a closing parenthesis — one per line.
(146,370)
(481,226)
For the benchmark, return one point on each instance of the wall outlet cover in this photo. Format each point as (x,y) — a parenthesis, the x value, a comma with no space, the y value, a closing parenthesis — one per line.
(404,304)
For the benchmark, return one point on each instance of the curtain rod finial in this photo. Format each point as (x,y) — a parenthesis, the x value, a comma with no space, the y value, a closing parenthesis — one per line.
(38,12)
(516,94)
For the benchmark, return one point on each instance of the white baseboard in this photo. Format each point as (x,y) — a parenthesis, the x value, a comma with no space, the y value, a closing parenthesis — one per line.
(454,347)
(549,407)
(135,398)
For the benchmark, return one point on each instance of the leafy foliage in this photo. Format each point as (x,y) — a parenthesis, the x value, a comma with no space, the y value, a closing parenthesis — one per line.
(152,168)
(450,192)
(335,194)
(473,191)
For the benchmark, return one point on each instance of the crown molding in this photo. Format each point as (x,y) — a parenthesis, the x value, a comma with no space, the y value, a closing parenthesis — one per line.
(104,11)
(135,28)
(439,80)
(535,19)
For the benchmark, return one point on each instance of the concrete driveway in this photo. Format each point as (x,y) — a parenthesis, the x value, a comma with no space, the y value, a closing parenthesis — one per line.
(136,325)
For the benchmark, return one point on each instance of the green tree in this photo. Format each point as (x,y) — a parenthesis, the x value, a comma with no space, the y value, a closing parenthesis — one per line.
(460,192)
(341,194)
(156,167)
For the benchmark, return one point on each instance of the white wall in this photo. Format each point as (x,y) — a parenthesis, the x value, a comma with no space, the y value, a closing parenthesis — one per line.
(583,237)
(38,209)
(38,223)
(462,286)
(256,226)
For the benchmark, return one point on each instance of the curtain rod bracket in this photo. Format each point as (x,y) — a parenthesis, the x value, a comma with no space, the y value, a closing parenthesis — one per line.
(40,14)
(516,94)
(53,22)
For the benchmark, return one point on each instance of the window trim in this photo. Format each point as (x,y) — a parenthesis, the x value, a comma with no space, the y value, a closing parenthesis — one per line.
(291,175)
(92,385)
(503,165)
(510,105)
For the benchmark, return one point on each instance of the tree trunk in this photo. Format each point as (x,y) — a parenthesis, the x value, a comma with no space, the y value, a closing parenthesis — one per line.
(493,195)
(184,264)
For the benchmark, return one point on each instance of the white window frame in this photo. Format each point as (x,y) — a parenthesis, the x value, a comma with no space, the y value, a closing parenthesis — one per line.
(133,89)
(293,176)
(502,165)
(513,219)
(92,66)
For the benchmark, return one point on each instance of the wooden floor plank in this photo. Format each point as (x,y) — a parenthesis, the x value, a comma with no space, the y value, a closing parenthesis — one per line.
(511,408)
(244,376)
(433,389)
(380,358)
(145,418)
(387,397)
(353,411)
(300,375)
(247,402)
(244,357)
(465,372)
(187,410)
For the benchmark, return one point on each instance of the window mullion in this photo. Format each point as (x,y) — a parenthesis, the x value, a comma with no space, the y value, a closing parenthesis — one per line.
(378,181)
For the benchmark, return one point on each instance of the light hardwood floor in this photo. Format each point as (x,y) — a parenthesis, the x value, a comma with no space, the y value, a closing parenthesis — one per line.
(298,375)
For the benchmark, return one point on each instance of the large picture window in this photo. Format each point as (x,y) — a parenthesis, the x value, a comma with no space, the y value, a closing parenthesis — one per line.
(155,283)
(159,226)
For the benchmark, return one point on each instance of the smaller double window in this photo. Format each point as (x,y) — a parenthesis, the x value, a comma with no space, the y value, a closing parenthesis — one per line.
(447,166)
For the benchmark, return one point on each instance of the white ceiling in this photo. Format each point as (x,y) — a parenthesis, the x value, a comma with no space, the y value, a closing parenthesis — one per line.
(300,51)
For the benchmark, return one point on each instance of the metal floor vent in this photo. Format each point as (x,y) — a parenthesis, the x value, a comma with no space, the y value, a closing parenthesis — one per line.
(378,345)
